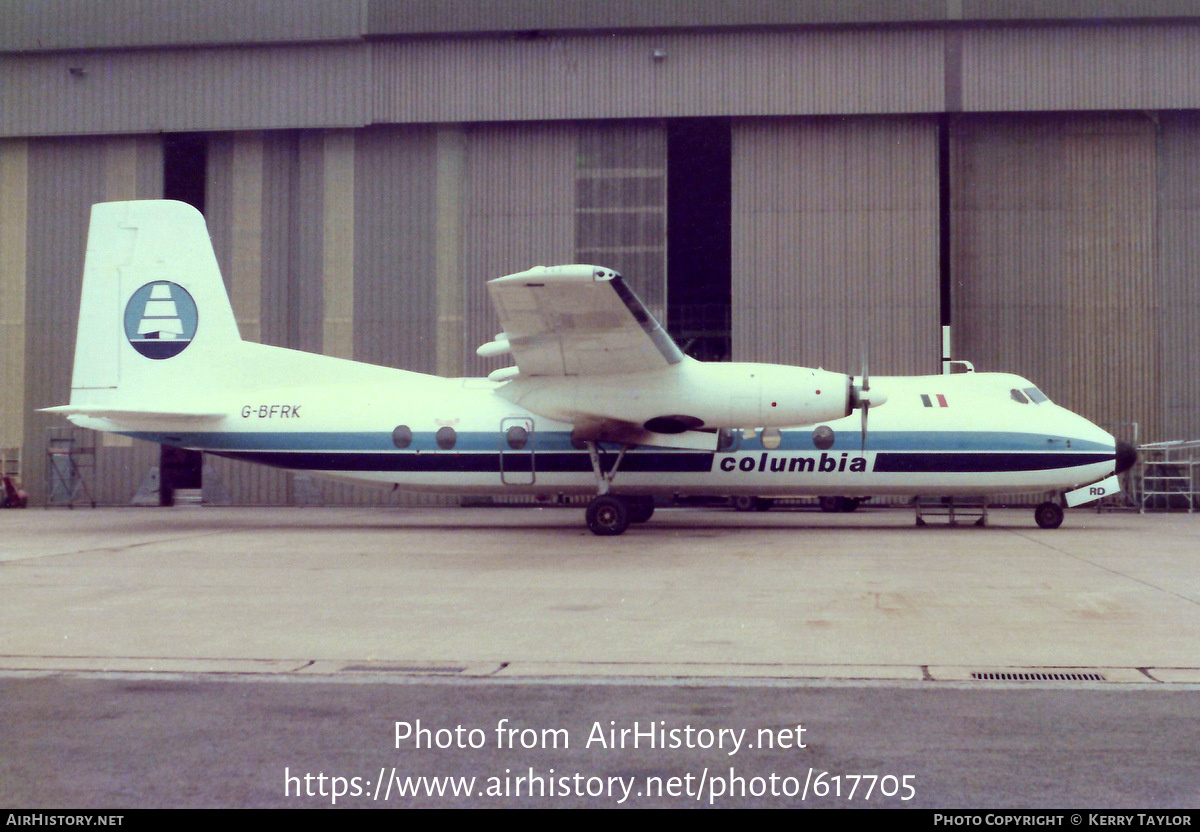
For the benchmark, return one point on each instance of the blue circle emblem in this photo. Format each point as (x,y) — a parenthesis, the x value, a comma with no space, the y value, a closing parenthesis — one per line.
(160,319)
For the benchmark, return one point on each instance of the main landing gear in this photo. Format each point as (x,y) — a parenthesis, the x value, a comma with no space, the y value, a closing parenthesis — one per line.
(840,504)
(610,514)
(753,503)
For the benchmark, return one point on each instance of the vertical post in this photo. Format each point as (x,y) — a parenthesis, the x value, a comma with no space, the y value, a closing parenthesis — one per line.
(14,204)
(451,164)
(945,239)
(245,272)
(338,244)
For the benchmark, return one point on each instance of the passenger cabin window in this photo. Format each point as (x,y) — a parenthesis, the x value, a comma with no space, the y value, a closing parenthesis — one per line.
(823,438)
(446,438)
(402,436)
(517,437)
(1018,396)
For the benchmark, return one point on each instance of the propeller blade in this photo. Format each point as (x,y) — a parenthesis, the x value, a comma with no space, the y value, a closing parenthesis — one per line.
(865,407)
(866,401)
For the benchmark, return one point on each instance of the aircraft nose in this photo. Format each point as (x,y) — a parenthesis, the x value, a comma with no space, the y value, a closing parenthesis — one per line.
(1126,456)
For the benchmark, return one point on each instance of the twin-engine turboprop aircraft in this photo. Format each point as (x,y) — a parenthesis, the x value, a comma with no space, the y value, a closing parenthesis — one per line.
(600,401)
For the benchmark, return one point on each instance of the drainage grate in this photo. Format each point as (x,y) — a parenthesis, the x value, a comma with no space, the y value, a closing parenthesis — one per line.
(1027,676)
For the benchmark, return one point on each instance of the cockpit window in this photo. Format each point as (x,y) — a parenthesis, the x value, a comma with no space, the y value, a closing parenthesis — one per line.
(1018,396)
(1036,395)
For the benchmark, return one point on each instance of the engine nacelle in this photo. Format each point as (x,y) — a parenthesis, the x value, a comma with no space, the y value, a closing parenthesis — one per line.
(691,395)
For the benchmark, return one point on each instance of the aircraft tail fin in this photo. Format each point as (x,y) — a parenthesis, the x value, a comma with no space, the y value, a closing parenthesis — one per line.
(155,322)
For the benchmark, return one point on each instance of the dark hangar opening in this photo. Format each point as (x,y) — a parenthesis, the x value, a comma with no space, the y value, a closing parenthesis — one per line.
(185,168)
(185,172)
(699,238)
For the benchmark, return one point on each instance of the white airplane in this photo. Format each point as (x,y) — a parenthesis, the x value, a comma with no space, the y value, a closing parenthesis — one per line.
(600,401)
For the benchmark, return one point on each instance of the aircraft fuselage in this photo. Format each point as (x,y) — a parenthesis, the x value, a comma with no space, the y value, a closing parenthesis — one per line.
(938,435)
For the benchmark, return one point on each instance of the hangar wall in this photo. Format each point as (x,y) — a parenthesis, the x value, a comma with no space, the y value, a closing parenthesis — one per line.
(354,82)
(1075,244)
(835,243)
(1054,223)
(1178,242)
(65,176)
(361,190)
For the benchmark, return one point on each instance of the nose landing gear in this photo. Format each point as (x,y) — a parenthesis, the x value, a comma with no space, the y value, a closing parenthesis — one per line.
(1048,515)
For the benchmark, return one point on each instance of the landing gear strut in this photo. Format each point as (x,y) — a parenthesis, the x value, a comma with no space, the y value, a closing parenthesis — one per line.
(608,514)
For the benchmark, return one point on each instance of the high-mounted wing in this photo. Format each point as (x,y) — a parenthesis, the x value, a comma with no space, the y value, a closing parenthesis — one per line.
(576,321)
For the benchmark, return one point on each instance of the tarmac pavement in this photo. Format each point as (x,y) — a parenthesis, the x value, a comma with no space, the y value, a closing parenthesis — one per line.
(235,657)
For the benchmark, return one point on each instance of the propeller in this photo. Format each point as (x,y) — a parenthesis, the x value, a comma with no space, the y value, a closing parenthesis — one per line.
(862,398)
(866,401)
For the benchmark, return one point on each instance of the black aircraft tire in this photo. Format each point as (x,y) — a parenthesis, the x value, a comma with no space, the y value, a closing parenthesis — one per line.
(1048,515)
(607,515)
(641,509)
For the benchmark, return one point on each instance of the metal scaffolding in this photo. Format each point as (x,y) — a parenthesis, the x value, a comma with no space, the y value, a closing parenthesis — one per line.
(1169,475)
(70,466)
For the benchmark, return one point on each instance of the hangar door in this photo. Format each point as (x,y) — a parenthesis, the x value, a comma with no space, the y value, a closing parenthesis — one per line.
(835,243)
(1054,241)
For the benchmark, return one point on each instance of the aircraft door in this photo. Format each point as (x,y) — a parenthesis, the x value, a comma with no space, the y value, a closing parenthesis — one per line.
(516,451)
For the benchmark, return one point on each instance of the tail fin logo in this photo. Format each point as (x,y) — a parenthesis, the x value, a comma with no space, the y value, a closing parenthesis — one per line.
(160,319)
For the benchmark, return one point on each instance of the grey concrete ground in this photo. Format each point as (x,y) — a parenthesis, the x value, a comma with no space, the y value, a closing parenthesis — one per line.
(203,741)
(130,628)
(531,592)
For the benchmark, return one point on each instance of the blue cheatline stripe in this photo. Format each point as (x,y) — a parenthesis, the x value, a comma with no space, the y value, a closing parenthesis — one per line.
(795,441)
(962,463)
(967,440)
(931,441)
(646,461)
(478,462)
